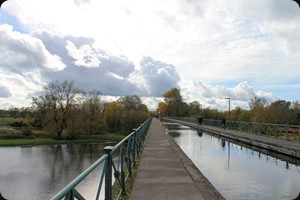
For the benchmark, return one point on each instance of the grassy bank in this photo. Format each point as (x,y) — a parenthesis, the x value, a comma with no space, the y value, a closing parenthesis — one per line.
(107,138)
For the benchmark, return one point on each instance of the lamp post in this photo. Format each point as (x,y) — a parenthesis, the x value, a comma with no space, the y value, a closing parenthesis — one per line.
(228,108)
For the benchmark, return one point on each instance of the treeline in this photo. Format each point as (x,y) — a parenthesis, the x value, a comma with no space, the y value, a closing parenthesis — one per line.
(279,112)
(62,109)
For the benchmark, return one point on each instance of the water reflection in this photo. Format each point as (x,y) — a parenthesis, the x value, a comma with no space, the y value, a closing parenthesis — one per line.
(240,172)
(174,133)
(199,133)
(40,172)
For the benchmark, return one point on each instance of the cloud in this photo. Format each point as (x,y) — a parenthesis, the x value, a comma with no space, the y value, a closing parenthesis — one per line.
(214,96)
(4,92)
(22,53)
(158,76)
(84,56)
(80,2)
(89,66)
(142,47)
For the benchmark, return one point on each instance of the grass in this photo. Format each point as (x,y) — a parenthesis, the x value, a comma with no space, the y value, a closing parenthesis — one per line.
(108,138)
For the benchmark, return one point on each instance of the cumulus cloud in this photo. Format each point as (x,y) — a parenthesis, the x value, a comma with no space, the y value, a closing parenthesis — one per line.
(90,67)
(158,76)
(209,40)
(21,52)
(84,56)
(214,95)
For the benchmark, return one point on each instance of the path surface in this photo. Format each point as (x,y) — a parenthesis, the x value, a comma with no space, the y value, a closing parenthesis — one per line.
(288,148)
(161,174)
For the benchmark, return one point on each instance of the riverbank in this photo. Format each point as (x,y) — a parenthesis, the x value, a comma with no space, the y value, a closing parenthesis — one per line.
(103,139)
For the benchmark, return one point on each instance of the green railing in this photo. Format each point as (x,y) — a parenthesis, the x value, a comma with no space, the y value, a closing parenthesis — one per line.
(279,131)
(116,166)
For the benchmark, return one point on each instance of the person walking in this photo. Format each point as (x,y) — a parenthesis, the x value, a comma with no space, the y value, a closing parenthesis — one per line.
(223,122)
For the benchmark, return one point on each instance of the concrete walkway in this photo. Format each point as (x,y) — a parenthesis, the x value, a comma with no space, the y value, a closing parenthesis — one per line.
(288,148)
(161,174)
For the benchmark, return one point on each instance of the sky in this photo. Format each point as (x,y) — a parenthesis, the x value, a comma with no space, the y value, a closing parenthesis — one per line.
(209,49)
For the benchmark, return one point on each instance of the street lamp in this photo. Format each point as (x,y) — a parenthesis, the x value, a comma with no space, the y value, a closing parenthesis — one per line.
(229,108)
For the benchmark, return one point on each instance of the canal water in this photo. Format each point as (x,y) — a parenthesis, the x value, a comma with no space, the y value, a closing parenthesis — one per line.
(39,172)
(238,172)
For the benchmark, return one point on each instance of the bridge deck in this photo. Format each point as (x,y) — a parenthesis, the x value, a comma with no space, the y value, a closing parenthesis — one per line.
(161,174)
(269,143)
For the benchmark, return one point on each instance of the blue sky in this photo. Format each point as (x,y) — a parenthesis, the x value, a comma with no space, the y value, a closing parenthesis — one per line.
(209,49)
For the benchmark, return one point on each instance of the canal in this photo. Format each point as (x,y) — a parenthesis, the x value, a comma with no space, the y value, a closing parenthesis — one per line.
(39,172)
(236,171)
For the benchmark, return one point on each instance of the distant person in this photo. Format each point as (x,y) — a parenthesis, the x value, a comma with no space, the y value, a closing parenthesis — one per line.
(223,122)
(200,120)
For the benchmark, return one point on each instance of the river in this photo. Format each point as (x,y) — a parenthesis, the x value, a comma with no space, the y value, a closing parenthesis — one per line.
(39,172)
(238,172)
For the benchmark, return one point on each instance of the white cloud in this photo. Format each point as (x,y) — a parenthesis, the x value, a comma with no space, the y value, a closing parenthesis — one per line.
(214,96)
(22,52)
(158,77)
(84,56)
(146,48)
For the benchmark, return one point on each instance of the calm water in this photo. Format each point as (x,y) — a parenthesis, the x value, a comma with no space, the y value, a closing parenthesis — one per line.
(40,172)
(238,172)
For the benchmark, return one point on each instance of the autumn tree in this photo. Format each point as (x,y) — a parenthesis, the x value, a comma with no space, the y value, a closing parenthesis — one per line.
(113,114)
(162,109)
(257,105)
(93,108)
(134,112)
(245,116)
(295,109)
(194,109)
(173,99)
(55,105)
(279,112)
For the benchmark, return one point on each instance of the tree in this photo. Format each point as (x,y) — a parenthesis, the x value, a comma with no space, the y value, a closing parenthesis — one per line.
(92,108)
(256,105)
(295,109)
(162,109)
(133,102)
(195,109)
(113,114)
(134,112)
(245,116)
(173,99)
(257,101)
(235,113)
(279,112)
(55,104)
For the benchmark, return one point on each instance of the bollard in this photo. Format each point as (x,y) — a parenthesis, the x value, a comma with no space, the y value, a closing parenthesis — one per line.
(108,174)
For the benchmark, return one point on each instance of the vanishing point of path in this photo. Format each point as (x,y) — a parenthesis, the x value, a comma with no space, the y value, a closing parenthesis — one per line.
(161,174)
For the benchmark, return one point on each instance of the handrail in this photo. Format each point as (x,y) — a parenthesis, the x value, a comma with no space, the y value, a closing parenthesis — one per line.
(279,131)
(118,166)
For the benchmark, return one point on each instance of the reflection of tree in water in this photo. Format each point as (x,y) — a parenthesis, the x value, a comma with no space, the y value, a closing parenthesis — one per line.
(174,133)
(66,162)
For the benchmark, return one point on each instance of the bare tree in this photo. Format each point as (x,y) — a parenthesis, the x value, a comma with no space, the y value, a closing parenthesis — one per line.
(55,104)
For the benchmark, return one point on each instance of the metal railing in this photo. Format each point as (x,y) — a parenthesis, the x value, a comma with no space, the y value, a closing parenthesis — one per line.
(116,163)
(279,131)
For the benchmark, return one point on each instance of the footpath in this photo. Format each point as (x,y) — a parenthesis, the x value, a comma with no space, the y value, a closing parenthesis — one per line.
(165,173)
(270,144)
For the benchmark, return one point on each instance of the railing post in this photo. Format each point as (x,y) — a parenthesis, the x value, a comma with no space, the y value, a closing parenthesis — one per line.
(129,157)
(134,147)
(122,171)
(108,174)
(287,132)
